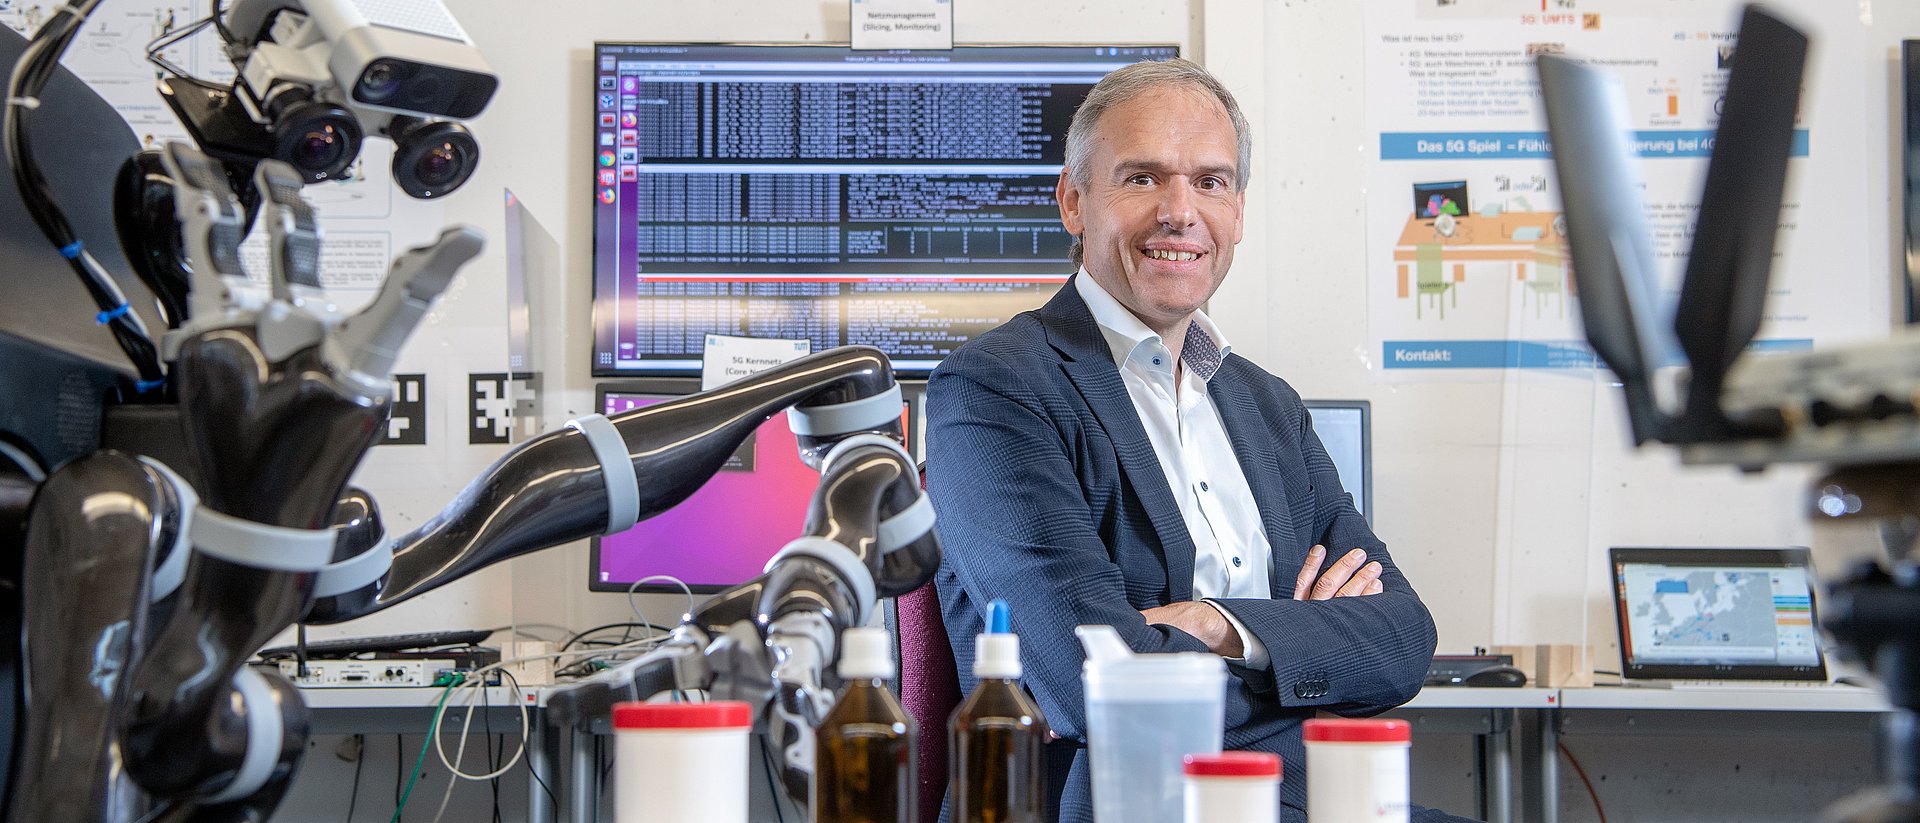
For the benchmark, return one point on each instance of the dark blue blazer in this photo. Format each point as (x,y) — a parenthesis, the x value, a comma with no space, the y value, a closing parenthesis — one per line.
(1050,497)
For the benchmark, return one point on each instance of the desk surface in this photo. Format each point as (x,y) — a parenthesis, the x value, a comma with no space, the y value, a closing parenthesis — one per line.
(1785,699)
(1463,697)
(1810,699)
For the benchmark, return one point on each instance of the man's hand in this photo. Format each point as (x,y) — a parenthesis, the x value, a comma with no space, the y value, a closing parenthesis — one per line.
(1348,577)
(1201,620)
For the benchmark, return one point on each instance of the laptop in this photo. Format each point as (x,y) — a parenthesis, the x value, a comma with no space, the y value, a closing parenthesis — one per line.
(1716,617)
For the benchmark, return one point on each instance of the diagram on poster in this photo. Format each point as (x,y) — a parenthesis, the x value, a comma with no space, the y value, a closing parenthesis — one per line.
(1467,264)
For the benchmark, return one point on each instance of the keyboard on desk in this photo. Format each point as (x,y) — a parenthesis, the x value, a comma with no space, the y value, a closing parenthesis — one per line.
(351,646)
(1737,685)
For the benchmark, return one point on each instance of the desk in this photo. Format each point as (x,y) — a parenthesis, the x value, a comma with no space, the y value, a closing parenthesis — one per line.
(410,710)
(1489,715)
(1700,712)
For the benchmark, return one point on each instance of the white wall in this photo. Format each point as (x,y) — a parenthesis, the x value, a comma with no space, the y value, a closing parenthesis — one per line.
(1498,493)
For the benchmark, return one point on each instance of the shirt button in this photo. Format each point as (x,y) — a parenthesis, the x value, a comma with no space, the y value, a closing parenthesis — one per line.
(1236,562)
(1203,485)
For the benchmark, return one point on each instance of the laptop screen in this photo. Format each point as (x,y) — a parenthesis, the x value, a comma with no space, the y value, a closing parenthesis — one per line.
(1728,614)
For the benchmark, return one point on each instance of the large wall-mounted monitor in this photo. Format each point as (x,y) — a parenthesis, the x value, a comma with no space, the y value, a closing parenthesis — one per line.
(900,199)
(1910,80)
(1345,428)
(725,533)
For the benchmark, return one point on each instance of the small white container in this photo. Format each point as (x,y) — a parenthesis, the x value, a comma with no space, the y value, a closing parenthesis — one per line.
(1357,770)
(679,762)
(1233,787)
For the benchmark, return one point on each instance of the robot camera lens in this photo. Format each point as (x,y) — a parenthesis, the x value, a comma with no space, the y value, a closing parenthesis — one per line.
(319,140)
(319,148)
(380,81)
(434,158)
(440,164)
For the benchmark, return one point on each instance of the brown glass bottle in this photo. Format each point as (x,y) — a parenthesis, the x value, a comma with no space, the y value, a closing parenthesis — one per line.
(863,750)
(998,745)
(997,740)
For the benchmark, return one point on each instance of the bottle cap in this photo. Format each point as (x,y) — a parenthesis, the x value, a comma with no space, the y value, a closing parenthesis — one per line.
(1358,731)
(866,653)
(711,715)
(996,654)
(1233,764)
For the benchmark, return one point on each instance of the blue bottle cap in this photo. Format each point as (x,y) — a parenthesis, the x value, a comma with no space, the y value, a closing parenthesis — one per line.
(999,618)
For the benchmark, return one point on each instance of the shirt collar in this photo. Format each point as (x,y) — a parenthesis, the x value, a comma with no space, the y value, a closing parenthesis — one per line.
(1124,332)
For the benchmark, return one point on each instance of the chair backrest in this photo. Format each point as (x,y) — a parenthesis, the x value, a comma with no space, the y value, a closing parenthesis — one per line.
(929,688)
(1427,259)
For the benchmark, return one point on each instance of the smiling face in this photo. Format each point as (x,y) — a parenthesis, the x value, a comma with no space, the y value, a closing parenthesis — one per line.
(1160,214)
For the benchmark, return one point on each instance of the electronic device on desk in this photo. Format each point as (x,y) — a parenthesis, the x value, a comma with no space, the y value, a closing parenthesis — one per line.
(1345,429)
(1715,617)
(1473,670)
(419,659)
(733,197)
(393,669)
(726,532)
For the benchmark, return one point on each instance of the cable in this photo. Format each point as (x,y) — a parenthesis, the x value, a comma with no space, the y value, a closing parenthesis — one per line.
(601,628)
(650,578)
(551,798)
(359,762)
(157,45)
(1583,779)
(774,784)
(30,75)
(165,808)
(476,680)
(422,759)
(399,761)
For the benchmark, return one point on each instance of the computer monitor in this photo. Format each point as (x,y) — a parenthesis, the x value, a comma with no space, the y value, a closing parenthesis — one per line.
(1345,429)
(1910,65)
(1731,614)
(900,199)
(725,533)
(1430,200)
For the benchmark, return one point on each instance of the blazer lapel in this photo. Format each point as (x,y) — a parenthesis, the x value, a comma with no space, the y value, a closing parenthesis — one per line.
(1089,364)
(1247,430)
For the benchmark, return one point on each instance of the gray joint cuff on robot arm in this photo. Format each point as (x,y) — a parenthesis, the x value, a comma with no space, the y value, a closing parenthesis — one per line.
(843,418)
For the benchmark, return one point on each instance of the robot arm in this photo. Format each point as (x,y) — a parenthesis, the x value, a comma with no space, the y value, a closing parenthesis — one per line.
(869,535)
(277,410)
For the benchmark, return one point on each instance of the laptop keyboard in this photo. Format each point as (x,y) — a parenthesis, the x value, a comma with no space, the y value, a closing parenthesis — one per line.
(1705,685)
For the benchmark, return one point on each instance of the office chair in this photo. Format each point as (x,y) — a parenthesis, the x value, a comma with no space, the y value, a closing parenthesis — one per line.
(1430,278)
(929,688)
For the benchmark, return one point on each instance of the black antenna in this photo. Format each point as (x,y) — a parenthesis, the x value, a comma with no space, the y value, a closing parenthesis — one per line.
(1724,296)
(1606,228)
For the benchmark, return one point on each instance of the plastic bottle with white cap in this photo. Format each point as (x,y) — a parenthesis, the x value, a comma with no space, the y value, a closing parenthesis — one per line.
(863,751)
(1233,787)
(997,737)
(681,761)
(1357,770)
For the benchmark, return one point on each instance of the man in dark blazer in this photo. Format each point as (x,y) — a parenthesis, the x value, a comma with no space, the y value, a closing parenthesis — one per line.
(1078,459)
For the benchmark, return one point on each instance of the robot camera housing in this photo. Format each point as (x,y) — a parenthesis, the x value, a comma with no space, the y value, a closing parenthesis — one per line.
(316,75)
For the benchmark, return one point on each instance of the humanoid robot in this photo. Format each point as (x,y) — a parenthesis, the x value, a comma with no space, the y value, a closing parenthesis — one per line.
(149,574)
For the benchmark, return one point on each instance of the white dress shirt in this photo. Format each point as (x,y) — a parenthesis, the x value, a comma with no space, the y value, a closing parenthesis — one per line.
(1231,552)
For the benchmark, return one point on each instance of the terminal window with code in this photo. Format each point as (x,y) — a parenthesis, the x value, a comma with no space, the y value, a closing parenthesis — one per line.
(897,199)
